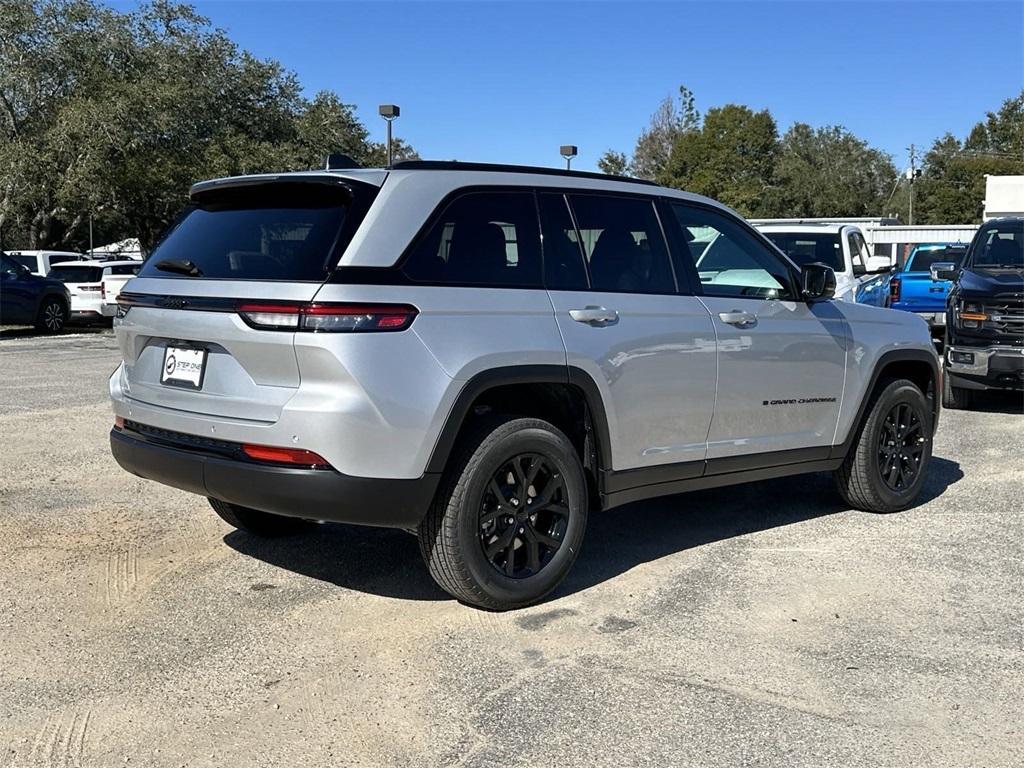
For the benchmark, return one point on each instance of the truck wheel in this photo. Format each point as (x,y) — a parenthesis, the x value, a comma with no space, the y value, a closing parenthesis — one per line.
(885,468)
(955,398)
(508,520)
(52,315)
(262,524)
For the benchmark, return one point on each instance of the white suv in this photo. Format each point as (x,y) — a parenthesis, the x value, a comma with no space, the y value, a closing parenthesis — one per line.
(483,354)
(94,286)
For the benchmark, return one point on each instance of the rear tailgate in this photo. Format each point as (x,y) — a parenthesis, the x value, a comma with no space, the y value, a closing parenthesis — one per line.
(919,293)
(262,243)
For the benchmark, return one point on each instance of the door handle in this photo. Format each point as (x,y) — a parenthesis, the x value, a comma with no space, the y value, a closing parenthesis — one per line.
(592,315)
(737,318)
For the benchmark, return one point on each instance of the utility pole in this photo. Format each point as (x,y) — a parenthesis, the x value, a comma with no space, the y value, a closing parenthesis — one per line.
(912,174)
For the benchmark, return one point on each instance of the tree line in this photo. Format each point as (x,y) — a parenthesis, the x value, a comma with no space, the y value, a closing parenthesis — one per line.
(111,116)
(737,156)
(107,117)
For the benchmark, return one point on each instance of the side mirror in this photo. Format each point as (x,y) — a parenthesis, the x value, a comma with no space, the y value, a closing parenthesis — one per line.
(878,265)
(818,282)
(943,270)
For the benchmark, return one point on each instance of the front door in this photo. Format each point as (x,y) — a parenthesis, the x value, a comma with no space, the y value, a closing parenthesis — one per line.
(781,361)
(650,350)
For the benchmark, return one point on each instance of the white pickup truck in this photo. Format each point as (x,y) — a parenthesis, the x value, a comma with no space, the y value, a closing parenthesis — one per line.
(860,277)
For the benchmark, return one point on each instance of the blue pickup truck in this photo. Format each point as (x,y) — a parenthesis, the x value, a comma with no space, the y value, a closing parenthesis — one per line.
(912,289)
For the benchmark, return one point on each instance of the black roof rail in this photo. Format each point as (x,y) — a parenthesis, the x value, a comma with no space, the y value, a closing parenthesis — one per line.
(455,165)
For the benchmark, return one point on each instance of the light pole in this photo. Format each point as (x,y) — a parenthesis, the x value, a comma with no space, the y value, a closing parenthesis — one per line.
(568,151)
(389,112)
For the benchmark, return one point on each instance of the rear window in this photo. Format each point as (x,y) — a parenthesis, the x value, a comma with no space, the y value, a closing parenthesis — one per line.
(73,273)
(26,260)
(922,260)
(283,231)
(124,269)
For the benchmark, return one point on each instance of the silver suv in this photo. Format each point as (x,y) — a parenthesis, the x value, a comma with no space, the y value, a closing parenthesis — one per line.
(482,354)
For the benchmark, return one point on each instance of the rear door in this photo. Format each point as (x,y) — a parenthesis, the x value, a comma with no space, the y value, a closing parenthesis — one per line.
(254,245)
(650,350)
(781,362)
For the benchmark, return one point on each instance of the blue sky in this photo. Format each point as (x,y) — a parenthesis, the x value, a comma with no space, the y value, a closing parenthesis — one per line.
(509,82)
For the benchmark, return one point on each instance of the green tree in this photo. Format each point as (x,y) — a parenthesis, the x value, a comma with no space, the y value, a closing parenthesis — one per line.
(731,158)
(113,115)
(829,172)
(614,163)
(668,123)
(951,189)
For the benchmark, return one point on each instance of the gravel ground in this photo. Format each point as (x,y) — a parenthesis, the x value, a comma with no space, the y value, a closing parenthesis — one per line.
(759,625)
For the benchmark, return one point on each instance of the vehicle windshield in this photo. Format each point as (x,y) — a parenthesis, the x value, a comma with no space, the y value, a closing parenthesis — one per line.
(279,231)
(74,273)
(999,244)
(921,259)
(807,247)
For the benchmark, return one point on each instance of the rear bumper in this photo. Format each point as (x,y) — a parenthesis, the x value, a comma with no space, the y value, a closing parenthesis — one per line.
(315,494)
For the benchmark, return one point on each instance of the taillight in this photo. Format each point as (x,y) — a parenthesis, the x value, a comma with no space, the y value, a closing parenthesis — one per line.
(119,423)
(894,288)
(103,290)
(329,318)
(295,456)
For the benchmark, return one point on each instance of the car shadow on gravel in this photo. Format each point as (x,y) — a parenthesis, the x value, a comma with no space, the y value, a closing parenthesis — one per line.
(387,562)
(28,332)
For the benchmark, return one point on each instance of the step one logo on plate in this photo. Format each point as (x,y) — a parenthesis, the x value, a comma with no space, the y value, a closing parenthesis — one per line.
(184,367)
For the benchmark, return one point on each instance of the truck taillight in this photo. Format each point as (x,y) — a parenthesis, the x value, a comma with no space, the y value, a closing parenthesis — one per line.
(327,318)
(894,289)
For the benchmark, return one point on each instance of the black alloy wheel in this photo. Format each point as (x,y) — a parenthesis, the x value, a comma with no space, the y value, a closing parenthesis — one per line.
(524,515)
(901,444)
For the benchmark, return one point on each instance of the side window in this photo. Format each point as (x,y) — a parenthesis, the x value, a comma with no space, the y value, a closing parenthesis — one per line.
(564,269)
(124,269)
(623,244)
(729,260)
(481,238)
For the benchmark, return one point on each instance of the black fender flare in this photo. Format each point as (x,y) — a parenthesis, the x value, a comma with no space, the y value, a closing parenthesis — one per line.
(522,374)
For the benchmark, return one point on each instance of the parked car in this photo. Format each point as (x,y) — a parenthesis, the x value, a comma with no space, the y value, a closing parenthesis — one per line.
(94,286)
(41,262)
(985,314)
(480,354)
(912,288)
(27,299)
(860,277)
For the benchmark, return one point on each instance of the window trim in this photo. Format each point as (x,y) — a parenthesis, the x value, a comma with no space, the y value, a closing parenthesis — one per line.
(774,251)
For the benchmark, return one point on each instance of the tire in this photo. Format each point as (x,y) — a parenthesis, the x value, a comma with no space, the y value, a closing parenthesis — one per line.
(52,316)
(900,412)
(262,524)
(529,549)
(955,398)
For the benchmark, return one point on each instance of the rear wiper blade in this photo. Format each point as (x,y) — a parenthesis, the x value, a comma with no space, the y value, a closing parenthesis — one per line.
(184,266)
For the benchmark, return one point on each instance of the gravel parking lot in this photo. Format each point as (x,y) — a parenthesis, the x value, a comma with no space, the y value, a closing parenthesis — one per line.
(761,625)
